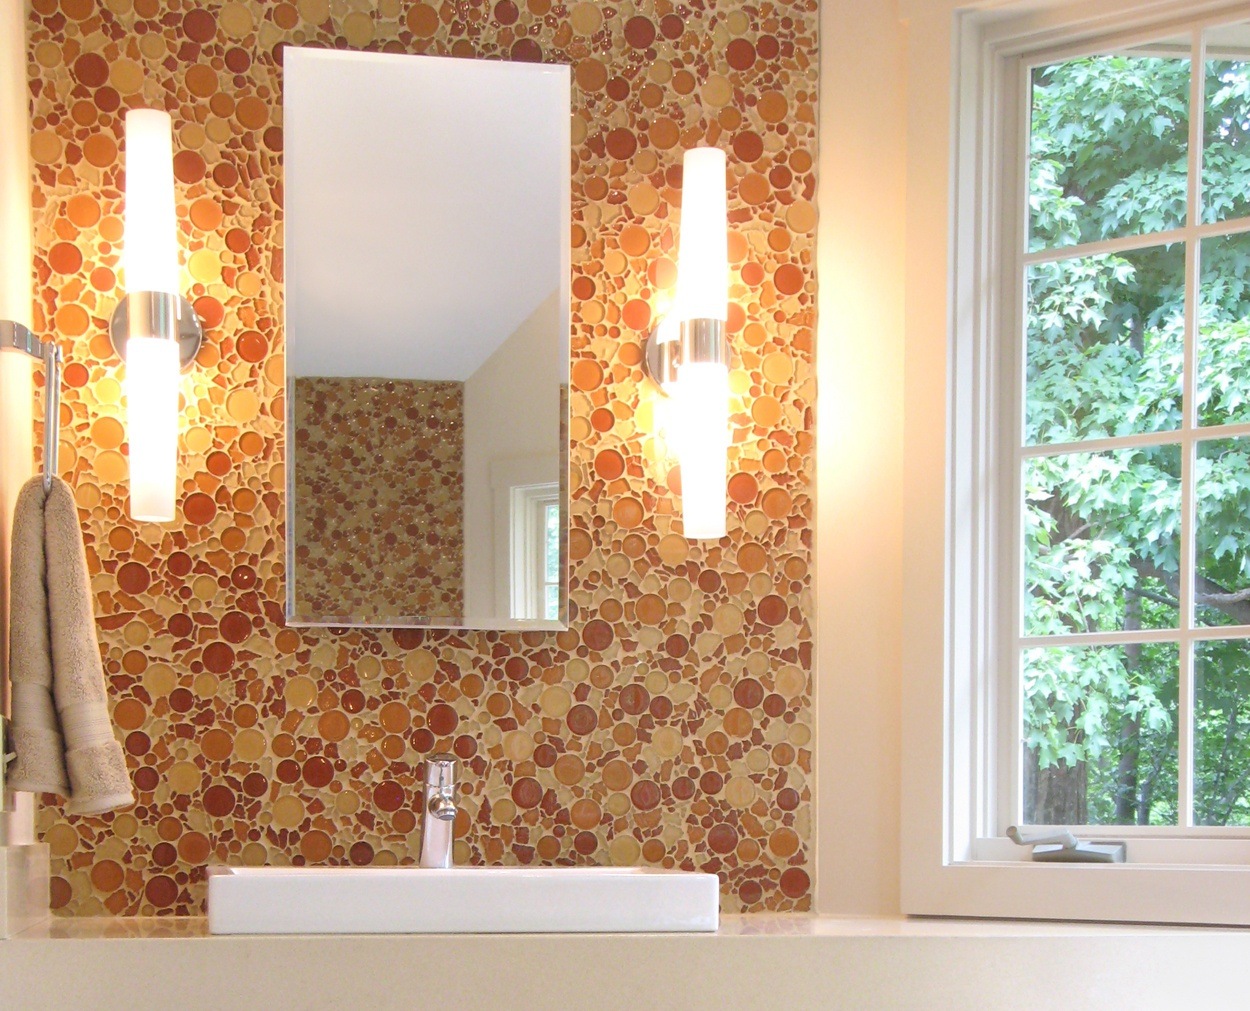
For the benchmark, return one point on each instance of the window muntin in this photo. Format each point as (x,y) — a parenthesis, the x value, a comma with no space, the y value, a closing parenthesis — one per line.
(1130,451)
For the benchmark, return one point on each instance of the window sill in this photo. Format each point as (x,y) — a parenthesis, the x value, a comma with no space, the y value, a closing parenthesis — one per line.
(1202,896)
(1173,851)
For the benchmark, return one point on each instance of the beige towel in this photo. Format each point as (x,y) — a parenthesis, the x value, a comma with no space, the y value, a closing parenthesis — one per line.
(97,777)
(40,763)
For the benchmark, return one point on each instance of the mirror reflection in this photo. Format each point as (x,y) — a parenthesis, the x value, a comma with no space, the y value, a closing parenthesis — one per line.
(427,322)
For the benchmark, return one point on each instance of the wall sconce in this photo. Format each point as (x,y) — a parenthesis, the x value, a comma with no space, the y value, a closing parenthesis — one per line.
(154,329)
(688,355)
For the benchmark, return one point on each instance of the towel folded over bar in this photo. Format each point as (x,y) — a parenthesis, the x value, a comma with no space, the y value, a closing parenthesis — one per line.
(62,732)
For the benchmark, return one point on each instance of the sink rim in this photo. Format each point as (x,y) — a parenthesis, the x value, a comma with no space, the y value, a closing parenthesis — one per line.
(277,870)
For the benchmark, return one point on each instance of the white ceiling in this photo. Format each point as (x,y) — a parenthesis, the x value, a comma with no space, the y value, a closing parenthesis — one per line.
(426,204)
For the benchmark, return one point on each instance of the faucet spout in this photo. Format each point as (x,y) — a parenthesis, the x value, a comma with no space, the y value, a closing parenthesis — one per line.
(438,815)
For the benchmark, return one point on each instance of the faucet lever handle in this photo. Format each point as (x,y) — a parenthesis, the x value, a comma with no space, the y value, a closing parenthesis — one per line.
(441,771)
(442,807)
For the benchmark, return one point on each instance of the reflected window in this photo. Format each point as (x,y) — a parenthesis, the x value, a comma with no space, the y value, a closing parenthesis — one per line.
(551,560)
(535,537)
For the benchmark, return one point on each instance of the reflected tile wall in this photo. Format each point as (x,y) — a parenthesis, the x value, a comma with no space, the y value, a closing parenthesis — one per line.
(671,725)
(379,478)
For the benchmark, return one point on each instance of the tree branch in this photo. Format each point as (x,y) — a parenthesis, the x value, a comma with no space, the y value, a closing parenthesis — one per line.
(1158,598)
(1234,603)
(1233,597)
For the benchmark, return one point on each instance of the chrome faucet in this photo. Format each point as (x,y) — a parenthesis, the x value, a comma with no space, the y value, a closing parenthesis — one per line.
(438,818)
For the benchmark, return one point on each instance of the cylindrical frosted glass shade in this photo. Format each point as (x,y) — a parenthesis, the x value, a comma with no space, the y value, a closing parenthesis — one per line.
(701,415)
(150,249)
(703,247)
(152,370)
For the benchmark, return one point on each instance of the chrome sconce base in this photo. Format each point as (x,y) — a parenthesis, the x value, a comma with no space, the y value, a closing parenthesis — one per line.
(157,314)
(700,340)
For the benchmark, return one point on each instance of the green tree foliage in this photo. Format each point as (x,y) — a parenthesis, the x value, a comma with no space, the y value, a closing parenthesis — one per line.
(1105,357)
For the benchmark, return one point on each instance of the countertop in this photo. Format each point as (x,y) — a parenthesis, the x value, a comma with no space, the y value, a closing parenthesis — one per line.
(759,961)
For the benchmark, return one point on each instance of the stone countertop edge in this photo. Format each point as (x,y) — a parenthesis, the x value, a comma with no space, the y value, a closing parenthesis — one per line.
(784,961)
(748,925)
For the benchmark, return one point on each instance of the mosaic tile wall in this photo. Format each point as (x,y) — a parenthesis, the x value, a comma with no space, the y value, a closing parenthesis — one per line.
(379,475)
(671,724)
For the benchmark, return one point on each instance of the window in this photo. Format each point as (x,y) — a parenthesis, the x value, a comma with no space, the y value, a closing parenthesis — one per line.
(1132,453)
(1095,650)
(547,535)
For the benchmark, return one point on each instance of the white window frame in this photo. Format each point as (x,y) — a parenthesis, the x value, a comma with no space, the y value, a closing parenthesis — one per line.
(954,861)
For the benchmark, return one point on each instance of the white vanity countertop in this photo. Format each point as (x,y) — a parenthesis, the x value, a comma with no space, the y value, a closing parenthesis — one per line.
(763,925)
(760,961)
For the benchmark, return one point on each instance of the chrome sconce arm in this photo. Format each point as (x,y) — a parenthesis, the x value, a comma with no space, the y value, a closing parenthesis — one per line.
(699,340)
(157,314)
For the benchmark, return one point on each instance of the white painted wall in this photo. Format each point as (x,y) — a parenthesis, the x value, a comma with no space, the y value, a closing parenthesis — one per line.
(16,369)
(16,424)
(859,446)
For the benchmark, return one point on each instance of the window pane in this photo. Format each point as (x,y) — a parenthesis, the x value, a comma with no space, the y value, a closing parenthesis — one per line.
(1224,331)
(1226,125)
(1222,483)
(1100,735)
(551,605)
(1109,136)
(551,549)
(1222,733)
(1100,541)
(1105,349)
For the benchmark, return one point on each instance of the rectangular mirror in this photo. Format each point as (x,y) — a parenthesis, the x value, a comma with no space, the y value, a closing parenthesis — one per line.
(427,329)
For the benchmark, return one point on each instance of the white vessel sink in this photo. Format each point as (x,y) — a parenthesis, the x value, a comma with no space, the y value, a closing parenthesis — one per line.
(490,900)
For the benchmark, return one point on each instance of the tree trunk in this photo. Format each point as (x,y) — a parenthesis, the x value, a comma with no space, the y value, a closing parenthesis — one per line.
(1128,808)
(1054,796)
(1127,799)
